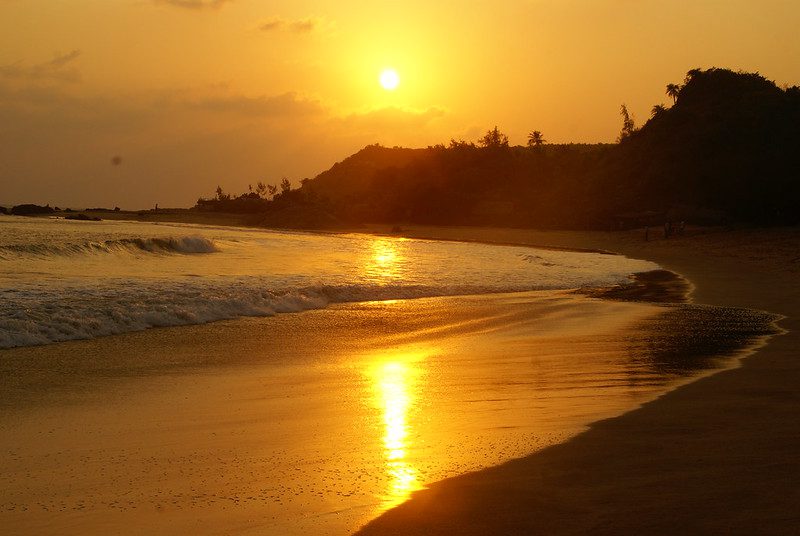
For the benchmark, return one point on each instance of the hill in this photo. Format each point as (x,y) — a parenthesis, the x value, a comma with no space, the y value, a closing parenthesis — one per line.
(731,142)
(727,150)
(462,184)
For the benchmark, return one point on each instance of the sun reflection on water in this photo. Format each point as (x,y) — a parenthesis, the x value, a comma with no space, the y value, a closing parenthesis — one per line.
(385,260)
(394,384)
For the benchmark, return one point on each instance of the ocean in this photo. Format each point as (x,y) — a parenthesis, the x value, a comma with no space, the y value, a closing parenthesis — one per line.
(64,280)
(172,378)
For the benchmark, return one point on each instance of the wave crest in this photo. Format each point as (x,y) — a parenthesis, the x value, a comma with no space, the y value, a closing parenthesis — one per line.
(185,245)
(30,318)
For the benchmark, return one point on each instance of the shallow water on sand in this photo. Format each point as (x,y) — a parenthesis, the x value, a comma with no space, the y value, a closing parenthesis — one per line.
(65,280)
(317,422)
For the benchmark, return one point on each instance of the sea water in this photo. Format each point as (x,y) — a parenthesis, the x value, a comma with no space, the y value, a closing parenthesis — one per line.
(316,420)
(64,280)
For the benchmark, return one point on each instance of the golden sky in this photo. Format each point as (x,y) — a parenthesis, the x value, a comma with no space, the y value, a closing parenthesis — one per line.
(195,93)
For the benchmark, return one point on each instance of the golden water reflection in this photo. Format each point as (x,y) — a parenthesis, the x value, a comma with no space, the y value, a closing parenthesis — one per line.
(394,384)
(385,260)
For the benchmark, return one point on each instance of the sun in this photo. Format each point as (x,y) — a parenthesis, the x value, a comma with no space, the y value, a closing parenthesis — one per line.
(389,79)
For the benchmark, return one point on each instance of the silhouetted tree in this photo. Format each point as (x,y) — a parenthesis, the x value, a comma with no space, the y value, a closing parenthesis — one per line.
(691,73)
(221,195)
(494,139)
(628,125)
(535,139)
(729,153)
(673,90)
(460,144)
(658,109)
(261,189)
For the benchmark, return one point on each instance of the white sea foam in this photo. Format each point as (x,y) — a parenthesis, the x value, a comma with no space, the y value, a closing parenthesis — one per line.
(33,318)
(162,245)
(30,318)
(62,281)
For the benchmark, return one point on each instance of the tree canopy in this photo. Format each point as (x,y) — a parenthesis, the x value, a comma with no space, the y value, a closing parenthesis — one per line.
(729,147)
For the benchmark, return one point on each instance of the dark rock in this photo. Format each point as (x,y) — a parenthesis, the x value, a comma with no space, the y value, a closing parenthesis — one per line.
(29,210)
(81,217)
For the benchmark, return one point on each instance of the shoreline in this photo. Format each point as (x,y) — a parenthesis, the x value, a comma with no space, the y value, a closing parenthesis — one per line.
(224,219)
(722,269)
(180,424)
(674,464)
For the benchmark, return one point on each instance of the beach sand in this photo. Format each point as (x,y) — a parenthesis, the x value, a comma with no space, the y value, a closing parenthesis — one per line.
(717,456)
(187,429)
(319,421)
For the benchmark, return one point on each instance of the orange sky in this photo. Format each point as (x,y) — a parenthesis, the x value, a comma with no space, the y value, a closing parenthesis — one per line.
(195,93)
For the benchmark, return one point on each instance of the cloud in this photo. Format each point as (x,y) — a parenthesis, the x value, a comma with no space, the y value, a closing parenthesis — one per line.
(52,112)
(287,104)
(175,144)
(57,145)
(306,25)
(197,5)
(270,25)
(64,59)
(389,126)
(56,69)
(392,117)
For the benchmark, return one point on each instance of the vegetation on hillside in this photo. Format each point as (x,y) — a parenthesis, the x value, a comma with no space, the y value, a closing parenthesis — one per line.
(730,142)
(727,149)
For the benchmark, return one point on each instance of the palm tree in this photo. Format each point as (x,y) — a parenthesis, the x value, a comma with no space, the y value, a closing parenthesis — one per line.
(673,90)
(535,139)
(658,109)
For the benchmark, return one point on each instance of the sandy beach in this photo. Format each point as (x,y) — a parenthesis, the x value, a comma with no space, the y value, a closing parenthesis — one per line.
(717,456)
(197,428)
(217,429)
(422,268)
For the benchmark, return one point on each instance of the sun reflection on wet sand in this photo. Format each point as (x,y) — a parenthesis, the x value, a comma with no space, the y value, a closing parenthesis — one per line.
(394,383)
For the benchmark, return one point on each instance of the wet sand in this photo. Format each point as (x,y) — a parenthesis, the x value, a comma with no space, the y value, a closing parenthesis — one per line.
(319,421)
(716,456)
(208,428)
(174,430)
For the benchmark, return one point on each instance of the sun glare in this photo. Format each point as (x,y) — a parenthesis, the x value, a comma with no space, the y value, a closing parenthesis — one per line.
(389,79)
(394,383)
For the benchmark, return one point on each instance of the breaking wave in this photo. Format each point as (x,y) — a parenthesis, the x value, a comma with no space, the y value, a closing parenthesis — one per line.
(34,317)
(61,283)
(166,245)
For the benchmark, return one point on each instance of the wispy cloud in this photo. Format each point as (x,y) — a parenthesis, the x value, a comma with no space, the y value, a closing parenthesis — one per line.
(194,4)
(272,24)
(287,104)
(64,59)
(392,118)
(59,68)
(306,25)
(175,143)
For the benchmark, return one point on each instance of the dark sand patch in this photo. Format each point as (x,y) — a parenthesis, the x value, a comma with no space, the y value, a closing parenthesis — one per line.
(658,286)
(716,456)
